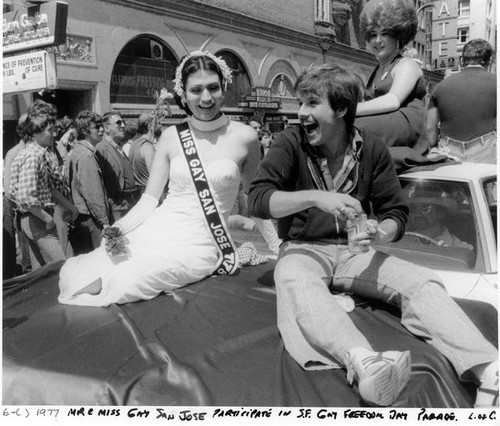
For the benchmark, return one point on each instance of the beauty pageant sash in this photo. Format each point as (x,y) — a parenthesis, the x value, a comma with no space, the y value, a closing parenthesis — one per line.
(228,260)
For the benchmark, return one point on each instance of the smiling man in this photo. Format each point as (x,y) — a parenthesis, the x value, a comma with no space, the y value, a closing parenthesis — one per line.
(312,180)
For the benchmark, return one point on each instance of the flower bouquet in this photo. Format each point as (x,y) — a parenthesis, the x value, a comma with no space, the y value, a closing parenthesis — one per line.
(115,241)
(162,109)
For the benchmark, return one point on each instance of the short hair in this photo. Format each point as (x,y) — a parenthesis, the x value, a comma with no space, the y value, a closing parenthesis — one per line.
(106,117)
(84,120)
(130,130)
(477,52)
(192,65)
(40,114)
(339,85)
(63,125)
(143,123)
(397,17)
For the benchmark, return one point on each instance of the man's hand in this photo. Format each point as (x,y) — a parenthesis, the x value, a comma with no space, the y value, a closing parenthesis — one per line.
(367,236)
(342,205)
(70,215)
(376,233)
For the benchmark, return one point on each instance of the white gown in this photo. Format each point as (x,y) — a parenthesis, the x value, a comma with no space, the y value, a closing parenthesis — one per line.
(170,249)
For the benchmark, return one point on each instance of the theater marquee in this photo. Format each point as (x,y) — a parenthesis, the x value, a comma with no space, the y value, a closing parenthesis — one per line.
(37,26)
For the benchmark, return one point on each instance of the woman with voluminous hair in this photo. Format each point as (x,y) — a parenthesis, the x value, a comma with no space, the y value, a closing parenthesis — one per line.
(393,107)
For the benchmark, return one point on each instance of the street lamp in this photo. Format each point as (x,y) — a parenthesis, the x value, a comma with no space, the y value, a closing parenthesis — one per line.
(325,33)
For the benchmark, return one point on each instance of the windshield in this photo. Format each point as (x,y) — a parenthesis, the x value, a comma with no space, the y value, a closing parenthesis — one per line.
(442,230)
(490,192)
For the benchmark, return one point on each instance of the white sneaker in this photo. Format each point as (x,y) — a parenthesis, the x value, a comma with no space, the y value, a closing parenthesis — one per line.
(487,392)
(381,376)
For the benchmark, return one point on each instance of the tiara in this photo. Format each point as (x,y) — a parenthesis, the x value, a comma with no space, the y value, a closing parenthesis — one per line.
(225,70)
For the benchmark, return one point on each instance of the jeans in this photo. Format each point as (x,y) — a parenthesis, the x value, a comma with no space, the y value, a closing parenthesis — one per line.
(318,333)
(44,243)
(479,150)
(9,240)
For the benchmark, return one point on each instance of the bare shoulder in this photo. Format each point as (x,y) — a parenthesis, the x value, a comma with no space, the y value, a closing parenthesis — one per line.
(406,65)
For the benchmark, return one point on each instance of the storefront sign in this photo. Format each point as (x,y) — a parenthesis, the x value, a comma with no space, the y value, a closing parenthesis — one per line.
(38,26)
(29,72)
(260,98)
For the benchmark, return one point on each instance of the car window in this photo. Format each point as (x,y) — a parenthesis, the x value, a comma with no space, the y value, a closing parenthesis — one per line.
(490,192)
(441,232)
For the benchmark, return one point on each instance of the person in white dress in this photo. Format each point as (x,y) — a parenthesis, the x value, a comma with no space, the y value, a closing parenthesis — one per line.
(169,246)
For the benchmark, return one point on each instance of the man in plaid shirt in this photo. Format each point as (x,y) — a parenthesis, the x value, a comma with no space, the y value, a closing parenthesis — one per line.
(35,185)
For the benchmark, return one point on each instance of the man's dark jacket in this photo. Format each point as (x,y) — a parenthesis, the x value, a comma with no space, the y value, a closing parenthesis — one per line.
(285,168)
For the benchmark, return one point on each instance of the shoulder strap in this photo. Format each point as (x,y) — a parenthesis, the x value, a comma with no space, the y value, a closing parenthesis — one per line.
(228,260)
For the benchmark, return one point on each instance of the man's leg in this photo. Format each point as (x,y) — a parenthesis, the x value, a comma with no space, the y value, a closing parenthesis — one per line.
(315,328)
(95,232)
(9,240)
(44,243)
(426,309)
(317,331)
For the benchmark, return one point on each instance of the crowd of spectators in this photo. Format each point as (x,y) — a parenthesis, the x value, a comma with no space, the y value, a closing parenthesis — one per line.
(66,180)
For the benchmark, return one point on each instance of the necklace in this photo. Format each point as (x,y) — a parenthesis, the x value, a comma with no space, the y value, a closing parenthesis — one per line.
(209,130)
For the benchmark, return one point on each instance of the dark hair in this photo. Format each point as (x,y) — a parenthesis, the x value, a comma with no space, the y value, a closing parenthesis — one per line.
(477,52)
(193,64)
(339,85)
(40,114)
(130,130)
(142,128)
(63,125)
(397,17)
(84,120)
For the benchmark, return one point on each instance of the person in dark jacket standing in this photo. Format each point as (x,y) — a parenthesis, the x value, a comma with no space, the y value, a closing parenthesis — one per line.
(314,180)
(116,166)
(87,186)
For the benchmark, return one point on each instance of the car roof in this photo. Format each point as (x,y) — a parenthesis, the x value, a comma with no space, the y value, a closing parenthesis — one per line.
(472,171)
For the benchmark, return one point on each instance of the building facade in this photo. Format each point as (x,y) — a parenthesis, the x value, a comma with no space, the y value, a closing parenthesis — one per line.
(119,53)
(454,23)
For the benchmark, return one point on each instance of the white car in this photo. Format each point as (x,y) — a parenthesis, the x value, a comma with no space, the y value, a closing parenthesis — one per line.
(466,262)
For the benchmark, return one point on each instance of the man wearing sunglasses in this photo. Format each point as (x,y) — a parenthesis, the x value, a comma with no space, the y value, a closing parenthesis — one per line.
(428,209)
(87,186)
(312,180)
(116,167)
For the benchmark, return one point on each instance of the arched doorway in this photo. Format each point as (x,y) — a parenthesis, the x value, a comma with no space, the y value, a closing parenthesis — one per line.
(144,65)
(241,81)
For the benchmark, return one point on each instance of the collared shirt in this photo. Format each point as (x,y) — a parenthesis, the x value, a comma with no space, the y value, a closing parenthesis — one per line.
(31,183)
(448,239)
(56,172)
(347,177)
(85,178)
